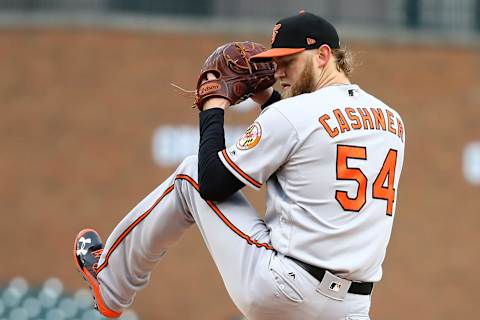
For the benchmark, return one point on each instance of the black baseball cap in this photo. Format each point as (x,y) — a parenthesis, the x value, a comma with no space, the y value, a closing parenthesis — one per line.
(298,33)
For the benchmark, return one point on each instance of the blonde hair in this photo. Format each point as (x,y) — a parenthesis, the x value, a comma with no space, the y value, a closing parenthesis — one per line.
(344,61)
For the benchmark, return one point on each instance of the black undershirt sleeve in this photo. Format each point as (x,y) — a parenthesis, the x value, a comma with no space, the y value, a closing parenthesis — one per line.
(216,182)
(214,179)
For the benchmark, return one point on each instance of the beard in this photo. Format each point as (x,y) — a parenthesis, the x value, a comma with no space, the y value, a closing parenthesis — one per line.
(305,84)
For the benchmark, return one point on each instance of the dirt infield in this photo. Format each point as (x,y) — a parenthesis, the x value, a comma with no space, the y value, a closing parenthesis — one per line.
(78,109)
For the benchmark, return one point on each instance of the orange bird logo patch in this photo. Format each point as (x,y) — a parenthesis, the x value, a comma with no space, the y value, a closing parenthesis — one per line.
(275,31)
(251,137)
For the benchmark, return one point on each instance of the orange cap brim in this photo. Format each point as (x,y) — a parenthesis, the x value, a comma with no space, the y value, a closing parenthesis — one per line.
(276,52)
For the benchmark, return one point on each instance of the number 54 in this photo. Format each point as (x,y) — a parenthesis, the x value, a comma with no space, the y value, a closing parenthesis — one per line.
(379,191)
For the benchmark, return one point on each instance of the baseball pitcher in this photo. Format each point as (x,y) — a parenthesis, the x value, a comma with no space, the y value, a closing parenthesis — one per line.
(330,156)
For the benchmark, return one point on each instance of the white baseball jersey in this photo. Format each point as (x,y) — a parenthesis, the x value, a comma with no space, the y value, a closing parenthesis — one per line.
(332,161)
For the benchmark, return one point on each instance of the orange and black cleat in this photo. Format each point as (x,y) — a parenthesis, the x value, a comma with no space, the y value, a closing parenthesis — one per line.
(87,250)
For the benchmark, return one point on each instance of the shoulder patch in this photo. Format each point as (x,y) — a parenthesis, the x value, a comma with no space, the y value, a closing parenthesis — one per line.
(251,137)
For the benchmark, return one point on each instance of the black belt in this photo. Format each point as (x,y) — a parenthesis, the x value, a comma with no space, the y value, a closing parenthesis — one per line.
(364,288)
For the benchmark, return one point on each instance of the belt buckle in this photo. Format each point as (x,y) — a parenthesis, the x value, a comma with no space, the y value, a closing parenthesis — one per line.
(333,287)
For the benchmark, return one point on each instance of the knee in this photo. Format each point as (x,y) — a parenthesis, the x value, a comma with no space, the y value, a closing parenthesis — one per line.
(190,161)
(189,166)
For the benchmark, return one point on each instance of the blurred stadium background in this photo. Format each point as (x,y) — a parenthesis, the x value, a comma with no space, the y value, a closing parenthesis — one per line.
(89,124)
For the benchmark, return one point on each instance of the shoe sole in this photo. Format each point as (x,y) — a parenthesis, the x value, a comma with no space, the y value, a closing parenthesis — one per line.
(92,282)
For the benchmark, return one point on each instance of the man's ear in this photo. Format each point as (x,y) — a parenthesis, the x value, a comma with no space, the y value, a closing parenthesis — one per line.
(323,55)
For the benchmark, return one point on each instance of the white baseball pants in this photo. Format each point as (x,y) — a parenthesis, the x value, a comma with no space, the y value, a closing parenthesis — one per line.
(262,283)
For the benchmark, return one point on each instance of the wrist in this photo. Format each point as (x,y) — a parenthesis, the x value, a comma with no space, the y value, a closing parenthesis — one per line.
(211,103)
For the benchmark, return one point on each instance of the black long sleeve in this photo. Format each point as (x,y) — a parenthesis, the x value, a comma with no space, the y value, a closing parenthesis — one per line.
(214,179)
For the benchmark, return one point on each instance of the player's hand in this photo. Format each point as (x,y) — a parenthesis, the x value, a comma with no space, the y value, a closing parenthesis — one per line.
(215,102)
(262,96)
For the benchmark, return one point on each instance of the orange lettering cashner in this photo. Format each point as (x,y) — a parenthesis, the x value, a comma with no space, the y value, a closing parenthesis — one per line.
(362,118)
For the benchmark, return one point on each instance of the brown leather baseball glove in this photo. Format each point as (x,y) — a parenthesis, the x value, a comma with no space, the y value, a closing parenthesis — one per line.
(236,76)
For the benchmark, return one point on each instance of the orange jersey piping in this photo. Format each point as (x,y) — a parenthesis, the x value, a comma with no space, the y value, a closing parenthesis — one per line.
(240,171)
(219,213)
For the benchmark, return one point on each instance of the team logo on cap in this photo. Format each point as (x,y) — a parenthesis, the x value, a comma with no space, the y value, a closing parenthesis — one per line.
(275,31)
(311,41)
(251,137)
